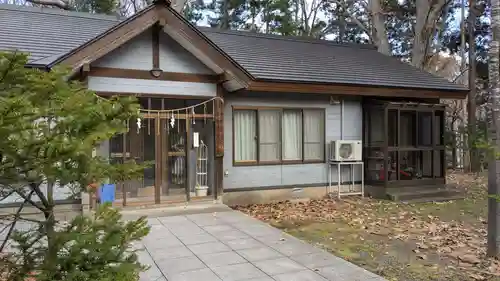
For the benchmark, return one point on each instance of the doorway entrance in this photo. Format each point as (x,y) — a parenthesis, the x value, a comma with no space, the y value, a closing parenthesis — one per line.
(165,145)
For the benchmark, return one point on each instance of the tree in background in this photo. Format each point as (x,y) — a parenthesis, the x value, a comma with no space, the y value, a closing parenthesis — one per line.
(494,167)
(50,127)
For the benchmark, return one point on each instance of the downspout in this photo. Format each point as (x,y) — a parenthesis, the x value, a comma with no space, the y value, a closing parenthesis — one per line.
(342,119)
(341,135)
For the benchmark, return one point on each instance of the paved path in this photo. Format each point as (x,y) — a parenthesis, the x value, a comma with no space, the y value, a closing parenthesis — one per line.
(231,246)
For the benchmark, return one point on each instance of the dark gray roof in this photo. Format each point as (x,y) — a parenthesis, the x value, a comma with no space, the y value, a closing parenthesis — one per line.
(301,60)
(48,34)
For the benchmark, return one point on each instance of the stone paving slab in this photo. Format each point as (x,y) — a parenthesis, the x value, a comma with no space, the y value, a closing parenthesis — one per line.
(231,246)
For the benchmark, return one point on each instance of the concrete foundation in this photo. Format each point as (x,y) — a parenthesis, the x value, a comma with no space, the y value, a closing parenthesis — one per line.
(63,212)
(263,196)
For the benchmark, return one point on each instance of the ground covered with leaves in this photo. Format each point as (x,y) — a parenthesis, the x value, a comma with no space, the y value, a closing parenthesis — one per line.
(425,241)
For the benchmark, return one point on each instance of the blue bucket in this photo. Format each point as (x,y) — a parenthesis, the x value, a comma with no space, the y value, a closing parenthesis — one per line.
(107,193)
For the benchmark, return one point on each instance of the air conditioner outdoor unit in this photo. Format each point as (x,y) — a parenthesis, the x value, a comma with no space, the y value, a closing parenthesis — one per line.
(345,150)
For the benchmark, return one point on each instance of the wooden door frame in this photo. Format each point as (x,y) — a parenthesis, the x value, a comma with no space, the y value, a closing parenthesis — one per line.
(162,153)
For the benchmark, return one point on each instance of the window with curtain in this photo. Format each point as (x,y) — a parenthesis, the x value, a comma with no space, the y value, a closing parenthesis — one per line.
(314,134)
(269,137)
(245,136)
(279,135)
(292,135)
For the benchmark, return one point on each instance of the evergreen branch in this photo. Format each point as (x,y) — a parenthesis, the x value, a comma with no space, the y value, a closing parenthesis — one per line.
(9,67)
(28,199)
(36,187)
(13,225)
(5,196)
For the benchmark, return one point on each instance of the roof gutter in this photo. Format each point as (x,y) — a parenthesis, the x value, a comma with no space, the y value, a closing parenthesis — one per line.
(71,75)
(37,65)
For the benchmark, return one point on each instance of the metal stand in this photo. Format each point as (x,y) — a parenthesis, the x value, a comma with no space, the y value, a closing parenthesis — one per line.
(351,186)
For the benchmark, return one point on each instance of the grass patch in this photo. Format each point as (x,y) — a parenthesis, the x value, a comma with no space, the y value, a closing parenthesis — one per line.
(421,242)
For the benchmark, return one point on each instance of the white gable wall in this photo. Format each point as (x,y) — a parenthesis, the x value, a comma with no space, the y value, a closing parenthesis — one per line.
(137,54)
(174,58)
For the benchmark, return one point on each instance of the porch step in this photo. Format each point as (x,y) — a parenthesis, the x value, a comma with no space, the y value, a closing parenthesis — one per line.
(459,196)
(154,211)
(424,194)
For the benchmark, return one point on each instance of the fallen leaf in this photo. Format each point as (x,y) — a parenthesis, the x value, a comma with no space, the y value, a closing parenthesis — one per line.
(469,258)
(422,256)
(477,276)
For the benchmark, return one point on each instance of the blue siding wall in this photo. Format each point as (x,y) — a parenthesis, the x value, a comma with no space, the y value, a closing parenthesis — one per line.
(286,175)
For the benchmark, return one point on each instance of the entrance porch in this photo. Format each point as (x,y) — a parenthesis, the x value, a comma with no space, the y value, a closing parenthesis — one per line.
(178,146)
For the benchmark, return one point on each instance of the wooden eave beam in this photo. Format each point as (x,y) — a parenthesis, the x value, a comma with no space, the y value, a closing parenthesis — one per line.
(352,90)
(144,74)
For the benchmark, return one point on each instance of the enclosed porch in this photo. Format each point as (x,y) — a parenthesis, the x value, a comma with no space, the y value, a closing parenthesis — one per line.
(404,149)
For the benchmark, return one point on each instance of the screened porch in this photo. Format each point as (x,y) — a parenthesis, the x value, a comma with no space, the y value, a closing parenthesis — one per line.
(403,143)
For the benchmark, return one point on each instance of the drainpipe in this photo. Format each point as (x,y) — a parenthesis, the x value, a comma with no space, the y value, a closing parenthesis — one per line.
(342,119)
(341,135)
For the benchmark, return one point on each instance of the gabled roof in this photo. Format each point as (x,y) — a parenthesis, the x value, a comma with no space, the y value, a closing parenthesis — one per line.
(49,34)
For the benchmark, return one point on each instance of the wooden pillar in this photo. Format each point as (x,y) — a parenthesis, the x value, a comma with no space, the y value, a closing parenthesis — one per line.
(398,139)
(386,146)
(433,142)
(190,157)
(210,133)
(219,141)
(158,157)
(442,154)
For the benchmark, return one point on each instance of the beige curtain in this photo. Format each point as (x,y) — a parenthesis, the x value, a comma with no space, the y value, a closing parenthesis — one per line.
(269,135)
(292,135)
(314,136)
(245,135)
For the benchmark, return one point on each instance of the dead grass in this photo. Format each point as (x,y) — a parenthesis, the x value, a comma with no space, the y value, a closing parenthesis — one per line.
(430,241)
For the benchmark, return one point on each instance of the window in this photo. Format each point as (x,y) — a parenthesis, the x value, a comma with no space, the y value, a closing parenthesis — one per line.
(269,137)
(314,135)
(245,122)
(274,136)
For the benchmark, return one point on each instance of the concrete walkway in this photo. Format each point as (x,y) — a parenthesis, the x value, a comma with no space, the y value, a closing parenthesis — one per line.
(232,246)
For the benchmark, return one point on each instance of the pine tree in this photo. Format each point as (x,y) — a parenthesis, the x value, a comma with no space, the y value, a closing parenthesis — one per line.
(49,128)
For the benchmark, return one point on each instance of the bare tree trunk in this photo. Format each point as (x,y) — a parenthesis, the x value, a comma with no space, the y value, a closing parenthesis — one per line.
(425,27)
(454,153)
(342,25)
(464,152)
(224,23)
(494,166)
(379,32)
(471,102)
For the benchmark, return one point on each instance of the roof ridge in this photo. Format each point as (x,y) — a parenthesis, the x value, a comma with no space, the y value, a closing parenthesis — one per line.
(57,11)
(245,33)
